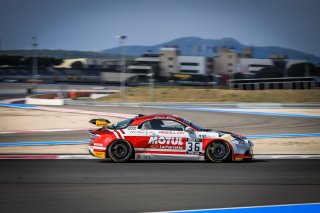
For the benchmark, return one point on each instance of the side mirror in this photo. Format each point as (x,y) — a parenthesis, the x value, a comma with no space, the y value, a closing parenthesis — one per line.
(189,130)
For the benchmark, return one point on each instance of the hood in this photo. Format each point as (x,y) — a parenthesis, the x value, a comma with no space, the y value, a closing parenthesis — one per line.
(233,134)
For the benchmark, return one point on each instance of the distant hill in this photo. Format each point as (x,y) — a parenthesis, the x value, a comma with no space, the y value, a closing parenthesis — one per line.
(195,46)
(61,54)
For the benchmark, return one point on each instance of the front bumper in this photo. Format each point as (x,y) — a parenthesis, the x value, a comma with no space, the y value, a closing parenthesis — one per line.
(247,155)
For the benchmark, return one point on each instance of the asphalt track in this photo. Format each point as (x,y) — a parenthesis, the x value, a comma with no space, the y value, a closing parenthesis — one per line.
(244,124)
(102,186)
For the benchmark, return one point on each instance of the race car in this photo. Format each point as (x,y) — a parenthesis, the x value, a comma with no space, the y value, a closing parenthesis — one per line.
(165,137)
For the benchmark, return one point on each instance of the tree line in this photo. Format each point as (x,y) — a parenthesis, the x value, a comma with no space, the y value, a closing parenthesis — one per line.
(20,61)
(304,69)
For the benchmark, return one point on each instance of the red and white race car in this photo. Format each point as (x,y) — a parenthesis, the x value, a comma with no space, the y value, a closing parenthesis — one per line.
(165,137)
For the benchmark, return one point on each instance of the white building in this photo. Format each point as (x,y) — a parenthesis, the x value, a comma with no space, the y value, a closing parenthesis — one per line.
(171,63)
(193,64)
(168,61)
(226,61)
(252,65)
(144,63)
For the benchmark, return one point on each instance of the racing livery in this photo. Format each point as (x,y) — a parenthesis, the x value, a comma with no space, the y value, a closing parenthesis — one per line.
(165,137)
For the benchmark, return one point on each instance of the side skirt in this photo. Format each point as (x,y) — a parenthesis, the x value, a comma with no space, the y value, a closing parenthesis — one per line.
(147,156)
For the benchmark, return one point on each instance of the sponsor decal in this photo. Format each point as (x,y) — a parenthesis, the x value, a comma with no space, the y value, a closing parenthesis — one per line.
(136,132)
(166,142)
(194,148)
(194,140)
(146,157)
(132,127)
(202,136)
(170,147)
(170,132)
(143,157)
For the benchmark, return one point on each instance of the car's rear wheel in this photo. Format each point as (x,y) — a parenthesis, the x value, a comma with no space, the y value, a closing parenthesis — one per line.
(218,151)
(120,151)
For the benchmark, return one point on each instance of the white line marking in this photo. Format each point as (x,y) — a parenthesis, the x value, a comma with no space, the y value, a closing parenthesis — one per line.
(289,157)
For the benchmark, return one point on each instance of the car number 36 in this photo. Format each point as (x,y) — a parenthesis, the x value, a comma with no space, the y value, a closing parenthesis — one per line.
(193,147)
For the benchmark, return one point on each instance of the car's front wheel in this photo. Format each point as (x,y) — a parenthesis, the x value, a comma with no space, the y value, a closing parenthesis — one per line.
(120,151)
(218,151)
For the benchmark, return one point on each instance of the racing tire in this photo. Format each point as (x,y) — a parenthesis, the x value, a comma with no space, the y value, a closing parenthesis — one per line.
(120,151)
(218,152)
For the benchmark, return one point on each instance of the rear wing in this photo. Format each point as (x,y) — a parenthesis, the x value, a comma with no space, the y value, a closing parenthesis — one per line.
(100,122)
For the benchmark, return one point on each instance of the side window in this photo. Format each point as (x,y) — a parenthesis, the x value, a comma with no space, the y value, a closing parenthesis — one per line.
(145,125)
(173,125)
(162,124)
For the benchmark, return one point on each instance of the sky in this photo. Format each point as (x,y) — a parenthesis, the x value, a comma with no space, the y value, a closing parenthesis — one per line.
(93,24)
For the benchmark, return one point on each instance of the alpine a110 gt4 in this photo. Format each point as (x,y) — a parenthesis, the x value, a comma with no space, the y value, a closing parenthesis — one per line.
(165,137)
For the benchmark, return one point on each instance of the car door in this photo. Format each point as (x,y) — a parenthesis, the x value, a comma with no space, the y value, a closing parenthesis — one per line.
(167,139)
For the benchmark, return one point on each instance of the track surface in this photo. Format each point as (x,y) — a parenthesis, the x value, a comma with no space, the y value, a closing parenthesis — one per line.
(239,123)
(242,123)
(102,186)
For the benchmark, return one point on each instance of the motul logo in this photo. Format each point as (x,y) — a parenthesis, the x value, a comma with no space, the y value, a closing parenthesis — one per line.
(163,140)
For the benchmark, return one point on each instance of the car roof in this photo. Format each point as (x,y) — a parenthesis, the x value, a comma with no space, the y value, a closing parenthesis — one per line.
(139,119)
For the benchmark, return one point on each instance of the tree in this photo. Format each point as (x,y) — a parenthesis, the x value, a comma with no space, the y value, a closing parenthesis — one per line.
(21,61)
(269,72)
(77,65)
(303,69)
(10,60)
(47,62)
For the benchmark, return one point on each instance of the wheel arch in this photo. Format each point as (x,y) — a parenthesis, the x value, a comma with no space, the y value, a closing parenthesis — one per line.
(220,139)
(110,142)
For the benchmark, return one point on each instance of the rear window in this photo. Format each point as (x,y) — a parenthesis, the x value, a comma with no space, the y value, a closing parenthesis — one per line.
(122,124)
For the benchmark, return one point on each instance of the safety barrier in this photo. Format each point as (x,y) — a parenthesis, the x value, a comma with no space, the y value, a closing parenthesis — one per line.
(52,99)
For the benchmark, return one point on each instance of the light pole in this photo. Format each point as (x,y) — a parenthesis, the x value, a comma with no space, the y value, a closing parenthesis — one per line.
(151,84)
(121,39)
(34,63)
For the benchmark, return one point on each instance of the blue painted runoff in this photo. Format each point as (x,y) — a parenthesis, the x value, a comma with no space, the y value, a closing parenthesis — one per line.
(22,106)
(293,208)
(283,135)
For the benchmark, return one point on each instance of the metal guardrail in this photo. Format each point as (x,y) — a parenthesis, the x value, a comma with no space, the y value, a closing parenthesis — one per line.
(273,83)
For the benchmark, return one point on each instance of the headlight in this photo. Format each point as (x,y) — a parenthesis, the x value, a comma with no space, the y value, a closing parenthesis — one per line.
(242,142)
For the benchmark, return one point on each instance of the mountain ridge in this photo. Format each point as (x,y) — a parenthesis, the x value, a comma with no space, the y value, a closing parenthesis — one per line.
(196,46)
(192,45)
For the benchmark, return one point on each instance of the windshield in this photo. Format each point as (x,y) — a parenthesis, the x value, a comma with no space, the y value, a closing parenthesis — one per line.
(196,126)
(122,124)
